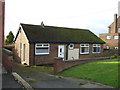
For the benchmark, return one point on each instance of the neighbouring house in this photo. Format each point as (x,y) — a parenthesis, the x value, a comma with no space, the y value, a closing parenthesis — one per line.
(40,44)
(112,37)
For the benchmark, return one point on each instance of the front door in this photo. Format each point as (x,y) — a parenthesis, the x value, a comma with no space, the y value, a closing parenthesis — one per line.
(61,51)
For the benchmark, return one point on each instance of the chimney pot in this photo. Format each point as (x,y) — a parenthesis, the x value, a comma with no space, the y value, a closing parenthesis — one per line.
(42,24)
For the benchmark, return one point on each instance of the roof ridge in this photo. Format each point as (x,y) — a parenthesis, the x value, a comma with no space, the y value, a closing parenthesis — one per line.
(56,27)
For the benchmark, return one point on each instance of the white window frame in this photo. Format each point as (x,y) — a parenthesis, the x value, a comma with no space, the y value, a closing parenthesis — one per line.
(42,45)
(84,45)
(108,37)
(116,37)
(107,47)
(96,45)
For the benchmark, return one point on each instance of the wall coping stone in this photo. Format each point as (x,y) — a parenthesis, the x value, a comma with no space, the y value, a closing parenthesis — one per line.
(7,51)
(84,59)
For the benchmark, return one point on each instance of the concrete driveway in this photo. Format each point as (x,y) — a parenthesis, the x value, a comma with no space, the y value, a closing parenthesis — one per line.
(51,81)
(39,79)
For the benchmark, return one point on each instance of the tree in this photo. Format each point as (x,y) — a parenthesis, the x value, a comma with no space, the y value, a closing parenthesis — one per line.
(9,38)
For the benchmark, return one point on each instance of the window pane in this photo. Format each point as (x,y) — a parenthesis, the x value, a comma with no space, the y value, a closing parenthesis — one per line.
(82,44)
(45,44)
(108,37)
(38,44)
(96,49)
(42,51)
(84,49)
(116,37)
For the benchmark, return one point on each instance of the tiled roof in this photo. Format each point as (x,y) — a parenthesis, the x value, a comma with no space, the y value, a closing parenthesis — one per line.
(52,34)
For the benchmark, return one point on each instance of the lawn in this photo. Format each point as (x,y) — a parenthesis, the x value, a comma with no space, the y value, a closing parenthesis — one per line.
(104,71)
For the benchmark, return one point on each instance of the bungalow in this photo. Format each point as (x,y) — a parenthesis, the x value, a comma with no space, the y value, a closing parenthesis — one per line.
(39,44)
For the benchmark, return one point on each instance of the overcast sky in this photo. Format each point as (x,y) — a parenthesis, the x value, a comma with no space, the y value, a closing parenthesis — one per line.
(95,15)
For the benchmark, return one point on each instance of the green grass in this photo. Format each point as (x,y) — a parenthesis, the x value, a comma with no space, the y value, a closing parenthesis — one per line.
(31,81)
(105,71)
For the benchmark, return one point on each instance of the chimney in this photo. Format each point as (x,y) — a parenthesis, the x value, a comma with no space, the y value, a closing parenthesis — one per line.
(115,23)
(42,24)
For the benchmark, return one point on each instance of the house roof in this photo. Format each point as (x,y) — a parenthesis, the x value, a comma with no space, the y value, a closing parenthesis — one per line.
(118,23)
(52,34)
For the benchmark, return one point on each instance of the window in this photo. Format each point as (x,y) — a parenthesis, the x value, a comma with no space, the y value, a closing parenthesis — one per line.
(84,48)
(71,46)
(107,47)
(115,37)
(41,49)
(96,48)
(108,37)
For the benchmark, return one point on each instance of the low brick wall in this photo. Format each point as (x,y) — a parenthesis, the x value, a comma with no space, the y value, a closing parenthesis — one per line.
(7,57)
(60,65)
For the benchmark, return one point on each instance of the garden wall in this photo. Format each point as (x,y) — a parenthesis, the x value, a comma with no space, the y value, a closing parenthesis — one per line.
(7,57)
(60,65)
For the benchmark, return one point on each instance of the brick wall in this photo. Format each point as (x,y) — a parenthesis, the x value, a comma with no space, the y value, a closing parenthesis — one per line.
(7,57)
(49,58)
(109,42)
(113,30)
(19,47)
(60,65)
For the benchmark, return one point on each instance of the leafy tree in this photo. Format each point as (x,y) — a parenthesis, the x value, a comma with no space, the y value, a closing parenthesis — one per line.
(9,38)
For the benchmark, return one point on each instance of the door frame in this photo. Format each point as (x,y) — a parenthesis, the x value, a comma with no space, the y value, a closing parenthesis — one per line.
(63,52)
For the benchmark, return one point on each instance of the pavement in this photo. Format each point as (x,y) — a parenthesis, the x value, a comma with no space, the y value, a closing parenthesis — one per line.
(8,81)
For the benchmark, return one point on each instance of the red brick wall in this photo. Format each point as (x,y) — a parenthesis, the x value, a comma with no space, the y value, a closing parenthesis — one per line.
(60,65)
(32,54)
(109,42)
(46,59)
(49,58)
(7,57)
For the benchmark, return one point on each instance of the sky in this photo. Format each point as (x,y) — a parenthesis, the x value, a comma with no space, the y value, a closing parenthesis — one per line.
(95,15)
